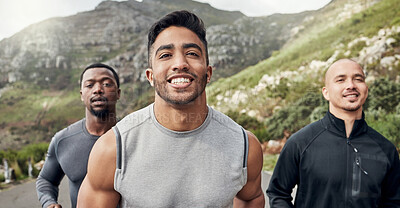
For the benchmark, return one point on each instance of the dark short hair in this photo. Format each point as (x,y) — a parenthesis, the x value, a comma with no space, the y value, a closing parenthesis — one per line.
(100,65)
(178,18)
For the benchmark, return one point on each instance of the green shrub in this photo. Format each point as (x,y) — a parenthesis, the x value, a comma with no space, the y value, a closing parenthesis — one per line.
(318,113)
(244,120)
(2,178)
(384,94)
(249,123)
(387,124)
(398,109)
(289,119)
(18,160)
(35,152)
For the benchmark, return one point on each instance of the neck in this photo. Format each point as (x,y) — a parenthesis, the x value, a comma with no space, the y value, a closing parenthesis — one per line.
(348,117)
(98,126)
(181,117)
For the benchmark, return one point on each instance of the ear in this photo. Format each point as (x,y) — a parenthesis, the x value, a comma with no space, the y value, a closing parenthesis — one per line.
(118,93)
(209,73)
(325,92)
(149,76)
(80,92)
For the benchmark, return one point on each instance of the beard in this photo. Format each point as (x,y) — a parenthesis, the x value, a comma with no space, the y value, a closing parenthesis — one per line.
(161,90)
(103,113)
(352,108)
(100,113)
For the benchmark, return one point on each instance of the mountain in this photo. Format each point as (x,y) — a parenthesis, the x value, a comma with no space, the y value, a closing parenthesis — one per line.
(282,94)
(268,70)
(113,32)
(42,63)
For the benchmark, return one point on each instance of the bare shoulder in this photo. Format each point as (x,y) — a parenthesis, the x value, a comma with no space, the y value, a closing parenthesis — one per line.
(97,189)
(106,145)
(102,160)
(251,194)
(255,158)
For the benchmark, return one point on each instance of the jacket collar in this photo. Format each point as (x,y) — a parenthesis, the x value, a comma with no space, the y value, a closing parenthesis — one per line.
(337,126)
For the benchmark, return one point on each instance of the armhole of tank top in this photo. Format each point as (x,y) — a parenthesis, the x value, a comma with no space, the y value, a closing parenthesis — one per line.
(246,148)
(118,142)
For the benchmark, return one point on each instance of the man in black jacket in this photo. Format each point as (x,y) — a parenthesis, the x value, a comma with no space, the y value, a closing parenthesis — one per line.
(338,161)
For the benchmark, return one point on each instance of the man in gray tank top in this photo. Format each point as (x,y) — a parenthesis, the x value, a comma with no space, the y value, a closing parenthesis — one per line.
(177,152)
(69,149)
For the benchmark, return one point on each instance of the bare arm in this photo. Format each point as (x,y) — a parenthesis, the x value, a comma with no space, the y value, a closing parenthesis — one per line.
(97,189)
(251,194)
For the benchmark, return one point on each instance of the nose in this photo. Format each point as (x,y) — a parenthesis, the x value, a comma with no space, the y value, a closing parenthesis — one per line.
(180,63)
(98,89)
(350,85)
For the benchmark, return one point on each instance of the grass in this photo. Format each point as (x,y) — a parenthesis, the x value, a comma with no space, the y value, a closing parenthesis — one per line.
(269,162)
(317,44)
(26,104)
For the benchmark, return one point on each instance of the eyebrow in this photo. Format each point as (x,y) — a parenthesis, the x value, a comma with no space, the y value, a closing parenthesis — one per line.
(356,75)
(165,47)
(95,80)
(192,45)
(185,46)
(360,75)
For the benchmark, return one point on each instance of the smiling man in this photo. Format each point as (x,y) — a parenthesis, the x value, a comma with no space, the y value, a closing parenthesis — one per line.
(69,149)
(177,152)
(338,161)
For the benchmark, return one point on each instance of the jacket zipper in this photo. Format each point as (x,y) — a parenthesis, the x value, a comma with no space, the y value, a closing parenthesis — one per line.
(347,172)
(357,162)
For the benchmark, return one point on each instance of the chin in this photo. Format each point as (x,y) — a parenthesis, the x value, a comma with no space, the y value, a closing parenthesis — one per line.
(352,108)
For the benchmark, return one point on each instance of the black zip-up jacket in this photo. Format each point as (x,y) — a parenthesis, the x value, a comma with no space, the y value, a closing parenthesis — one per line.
(332,170)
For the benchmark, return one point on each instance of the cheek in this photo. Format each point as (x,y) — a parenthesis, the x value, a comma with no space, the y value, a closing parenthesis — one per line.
(112,93)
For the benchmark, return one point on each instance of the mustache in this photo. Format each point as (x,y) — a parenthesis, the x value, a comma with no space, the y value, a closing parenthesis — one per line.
(180,73)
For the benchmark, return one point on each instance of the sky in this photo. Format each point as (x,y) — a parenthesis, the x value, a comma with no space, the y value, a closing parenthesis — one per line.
(15,15)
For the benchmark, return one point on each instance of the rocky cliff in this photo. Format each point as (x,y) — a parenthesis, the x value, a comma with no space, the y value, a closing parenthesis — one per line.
(116,33)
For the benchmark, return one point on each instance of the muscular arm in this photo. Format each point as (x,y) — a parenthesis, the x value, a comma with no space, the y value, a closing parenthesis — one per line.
(49,178)
(97,189)
(251,194)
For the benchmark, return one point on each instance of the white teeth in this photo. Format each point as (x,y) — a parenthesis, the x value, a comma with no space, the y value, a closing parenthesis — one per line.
(180,80)
(351,96)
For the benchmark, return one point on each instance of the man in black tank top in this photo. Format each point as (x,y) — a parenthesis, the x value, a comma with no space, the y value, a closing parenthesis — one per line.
(69,149)
(179,71)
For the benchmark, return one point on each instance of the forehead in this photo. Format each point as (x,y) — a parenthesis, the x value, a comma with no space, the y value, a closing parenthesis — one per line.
(344,68)
(97,73)
(176,36)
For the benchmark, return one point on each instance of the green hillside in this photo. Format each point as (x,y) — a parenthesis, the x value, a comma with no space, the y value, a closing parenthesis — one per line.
(283,93)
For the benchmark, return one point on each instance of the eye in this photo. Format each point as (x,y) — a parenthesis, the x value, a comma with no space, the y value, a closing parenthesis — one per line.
(192,54)
(164,55)
(108,83)
(88,85)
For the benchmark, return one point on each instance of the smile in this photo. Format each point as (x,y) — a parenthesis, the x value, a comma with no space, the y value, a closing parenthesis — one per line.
(180,81)
(351,96)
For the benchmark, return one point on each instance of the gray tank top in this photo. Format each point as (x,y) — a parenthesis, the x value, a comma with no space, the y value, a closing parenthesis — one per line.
(157,167)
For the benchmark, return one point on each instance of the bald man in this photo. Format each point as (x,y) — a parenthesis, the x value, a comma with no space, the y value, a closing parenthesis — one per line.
(338,161)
